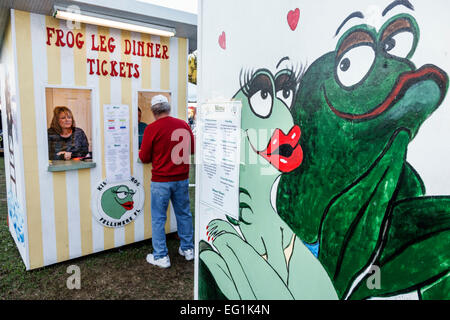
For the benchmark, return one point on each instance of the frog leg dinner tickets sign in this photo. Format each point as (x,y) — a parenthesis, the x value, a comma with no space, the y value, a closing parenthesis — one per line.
(218,142)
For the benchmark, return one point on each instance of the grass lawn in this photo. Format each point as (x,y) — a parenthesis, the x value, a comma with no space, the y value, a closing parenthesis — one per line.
(120,273)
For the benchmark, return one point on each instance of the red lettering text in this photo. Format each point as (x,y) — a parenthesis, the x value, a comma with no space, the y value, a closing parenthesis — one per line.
(111,46)
(102,43)
(122,69)
(90,61)
(158,54)
(127,47)
(69,42)
(136,71)
(59,37)
(93,47)
(150,50)
(165,51)
(113,69)
(49,34)
(79,41)
(104,72)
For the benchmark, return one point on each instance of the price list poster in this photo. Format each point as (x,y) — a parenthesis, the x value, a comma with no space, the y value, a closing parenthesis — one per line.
(117,145)
(218,157)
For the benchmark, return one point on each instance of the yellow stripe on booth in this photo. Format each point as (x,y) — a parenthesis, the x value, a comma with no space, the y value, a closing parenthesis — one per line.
(53,55)
(182,78)
(30,153)
(165,65)
(104,84)
(146,74)
(61,218)
(146,84)
(84,190)
(79,63)
(127,100)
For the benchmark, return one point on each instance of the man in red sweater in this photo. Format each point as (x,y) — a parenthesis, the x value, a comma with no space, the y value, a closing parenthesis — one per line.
(168,143)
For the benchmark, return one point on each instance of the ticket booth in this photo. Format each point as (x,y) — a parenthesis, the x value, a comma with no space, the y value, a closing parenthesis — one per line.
(63,204)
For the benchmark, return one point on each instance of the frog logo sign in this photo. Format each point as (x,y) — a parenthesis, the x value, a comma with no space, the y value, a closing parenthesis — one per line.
(118,204)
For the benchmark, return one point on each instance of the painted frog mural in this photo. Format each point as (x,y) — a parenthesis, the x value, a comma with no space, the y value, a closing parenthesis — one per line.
(350,197)
(355,199)
(117,200)
(254,258)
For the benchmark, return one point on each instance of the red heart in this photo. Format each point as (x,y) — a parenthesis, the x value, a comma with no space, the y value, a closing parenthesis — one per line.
(223,41)
(293,17)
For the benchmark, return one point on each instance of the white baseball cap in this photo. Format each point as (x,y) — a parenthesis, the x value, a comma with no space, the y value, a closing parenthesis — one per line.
(159,99)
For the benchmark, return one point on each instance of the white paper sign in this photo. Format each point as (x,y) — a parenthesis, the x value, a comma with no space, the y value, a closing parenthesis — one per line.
(219,142)
(117,142)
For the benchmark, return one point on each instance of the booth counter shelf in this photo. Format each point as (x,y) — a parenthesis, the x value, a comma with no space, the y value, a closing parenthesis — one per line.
(65,165)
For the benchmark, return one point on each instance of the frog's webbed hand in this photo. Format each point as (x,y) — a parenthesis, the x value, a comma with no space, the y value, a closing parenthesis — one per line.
(417,252)
(244,208)
(218,227)
(253,277)
(353,227)
(219,270)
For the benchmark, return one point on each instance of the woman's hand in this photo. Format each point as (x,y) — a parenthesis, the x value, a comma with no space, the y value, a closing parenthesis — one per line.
(67,155)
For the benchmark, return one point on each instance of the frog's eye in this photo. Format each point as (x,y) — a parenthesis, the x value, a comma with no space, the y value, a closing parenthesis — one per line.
(285,86)
(260,95)
(399,45)
(123,192)
(354,65)
(398,38)
(261,103)
(121,195)
(355,57)
(286,95)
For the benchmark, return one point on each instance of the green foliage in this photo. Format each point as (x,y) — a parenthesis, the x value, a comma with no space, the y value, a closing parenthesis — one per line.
(192,67)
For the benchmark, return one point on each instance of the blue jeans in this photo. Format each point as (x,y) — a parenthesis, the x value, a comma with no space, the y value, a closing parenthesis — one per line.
(178,193)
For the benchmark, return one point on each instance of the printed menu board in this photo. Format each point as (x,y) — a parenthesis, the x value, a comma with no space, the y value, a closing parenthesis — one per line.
(219,148)
(117,142)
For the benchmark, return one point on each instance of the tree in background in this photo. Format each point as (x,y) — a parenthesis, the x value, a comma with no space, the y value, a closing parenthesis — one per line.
(192,63)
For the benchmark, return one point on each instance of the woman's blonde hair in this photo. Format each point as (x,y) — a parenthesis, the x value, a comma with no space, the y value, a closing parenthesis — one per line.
(55,121)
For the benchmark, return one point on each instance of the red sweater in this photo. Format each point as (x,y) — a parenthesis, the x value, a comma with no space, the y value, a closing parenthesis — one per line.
(166,144)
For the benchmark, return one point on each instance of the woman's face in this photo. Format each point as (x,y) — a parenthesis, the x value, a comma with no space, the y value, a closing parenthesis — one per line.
(65,120)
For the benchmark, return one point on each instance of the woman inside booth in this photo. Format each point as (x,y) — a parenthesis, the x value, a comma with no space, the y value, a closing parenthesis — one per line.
(65,140)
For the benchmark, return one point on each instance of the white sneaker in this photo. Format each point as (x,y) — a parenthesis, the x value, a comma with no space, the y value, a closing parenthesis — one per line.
(163,262)
(188,254)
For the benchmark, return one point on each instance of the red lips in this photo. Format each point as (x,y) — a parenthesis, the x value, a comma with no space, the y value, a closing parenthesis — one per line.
(128,205)
(283,150)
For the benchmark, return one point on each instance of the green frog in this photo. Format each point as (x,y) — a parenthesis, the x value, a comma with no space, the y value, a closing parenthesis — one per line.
(355,200)
(258,256)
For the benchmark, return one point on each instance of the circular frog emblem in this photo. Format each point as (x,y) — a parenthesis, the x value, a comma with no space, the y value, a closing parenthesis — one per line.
(117,204)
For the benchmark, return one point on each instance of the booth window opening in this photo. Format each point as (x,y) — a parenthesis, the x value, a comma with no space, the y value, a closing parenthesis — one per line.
(145,115)
(69,128)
